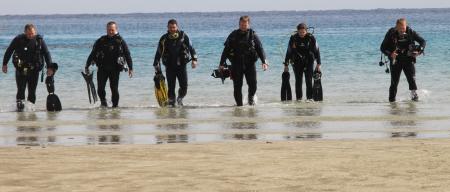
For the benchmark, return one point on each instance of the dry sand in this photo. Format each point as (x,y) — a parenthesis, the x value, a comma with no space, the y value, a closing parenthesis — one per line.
(369,165)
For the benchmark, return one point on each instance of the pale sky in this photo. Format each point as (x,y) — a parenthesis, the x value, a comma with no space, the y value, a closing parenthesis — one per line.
(20,7)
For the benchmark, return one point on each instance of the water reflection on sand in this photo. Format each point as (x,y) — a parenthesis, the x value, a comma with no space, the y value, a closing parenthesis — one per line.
(209,124)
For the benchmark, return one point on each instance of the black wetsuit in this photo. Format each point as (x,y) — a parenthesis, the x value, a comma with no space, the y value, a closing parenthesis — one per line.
(393,41)
(302,52)
(105,54)
(32,53)
(175,53)
(243,48)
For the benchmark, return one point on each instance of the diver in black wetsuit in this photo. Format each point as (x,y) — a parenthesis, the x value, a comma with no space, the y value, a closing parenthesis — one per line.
(302,51)
(399,45)
(176,50)
(111,55)
(29,51)
(243,48)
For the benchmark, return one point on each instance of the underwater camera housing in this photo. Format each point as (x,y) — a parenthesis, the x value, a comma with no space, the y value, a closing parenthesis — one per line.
(122,63)
(415,50)
(222,74)
(384,62)
(317,75)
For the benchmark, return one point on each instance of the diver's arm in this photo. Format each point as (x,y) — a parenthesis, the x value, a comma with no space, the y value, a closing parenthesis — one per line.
(288,52)
(420,40)
(92,55)
(9,51)
(191,48)
(384,48)
(316,51)
(158,54)
(260,50)
(226,50)
(127,55)
(46,54)
(223,58)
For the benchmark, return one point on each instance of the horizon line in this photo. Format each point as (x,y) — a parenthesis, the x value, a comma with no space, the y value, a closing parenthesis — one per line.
(193,12)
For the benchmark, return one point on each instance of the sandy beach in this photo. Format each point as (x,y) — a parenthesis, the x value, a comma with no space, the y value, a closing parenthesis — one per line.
(339,165)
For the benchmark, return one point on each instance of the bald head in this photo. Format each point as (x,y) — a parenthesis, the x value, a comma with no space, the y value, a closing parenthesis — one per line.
(30,31)
(111,28)
(401,25)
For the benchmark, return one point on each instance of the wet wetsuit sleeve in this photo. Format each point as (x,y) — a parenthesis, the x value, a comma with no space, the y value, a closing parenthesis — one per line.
(289,52)
(158,53)
(10,50)
(226,50)
(93,53)
(260,50)
(316,51)
(46,54)
(420,40)
(384,48)
(127,54)
(191,48)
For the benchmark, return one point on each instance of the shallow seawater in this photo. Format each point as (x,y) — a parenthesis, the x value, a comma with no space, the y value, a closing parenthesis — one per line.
(271,122)
(355,87)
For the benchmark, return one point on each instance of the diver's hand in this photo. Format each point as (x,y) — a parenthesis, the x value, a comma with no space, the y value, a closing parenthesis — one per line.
(157,69)
(416,54)
(130,73)
(50,72)
(5,69)
(265,66)
(194,64)
(394,55)
(318,68)
(286,68)
(221,67)
(86,70)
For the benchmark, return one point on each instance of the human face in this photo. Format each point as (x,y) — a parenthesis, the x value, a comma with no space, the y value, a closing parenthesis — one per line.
(401,27)
(302,32)
(244,25)
(31,33)
(111,30)
(172,28)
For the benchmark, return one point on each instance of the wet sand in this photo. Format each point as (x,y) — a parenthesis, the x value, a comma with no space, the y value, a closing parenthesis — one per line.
(277,122)
(339,165)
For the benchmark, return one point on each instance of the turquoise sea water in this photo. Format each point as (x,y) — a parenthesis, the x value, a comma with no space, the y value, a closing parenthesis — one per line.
(355,87)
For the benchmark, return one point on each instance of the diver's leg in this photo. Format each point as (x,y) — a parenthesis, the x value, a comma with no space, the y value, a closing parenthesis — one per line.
(171,83)
(309,80)
(410,73)
(32,81)
(21,82)
(396,71)
(114,85)
(238,78)
(182,81)
(298,71)
(250,77)
(102,77)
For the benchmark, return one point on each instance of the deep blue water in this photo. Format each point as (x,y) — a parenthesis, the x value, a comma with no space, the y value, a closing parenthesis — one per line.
(349,42)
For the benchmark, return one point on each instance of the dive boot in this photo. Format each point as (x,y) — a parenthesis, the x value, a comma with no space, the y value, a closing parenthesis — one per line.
(414,96)
(180,101)
(20,106)
(251,101)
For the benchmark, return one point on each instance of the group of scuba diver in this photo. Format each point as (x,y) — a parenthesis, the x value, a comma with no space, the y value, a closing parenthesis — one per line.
(242,49)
